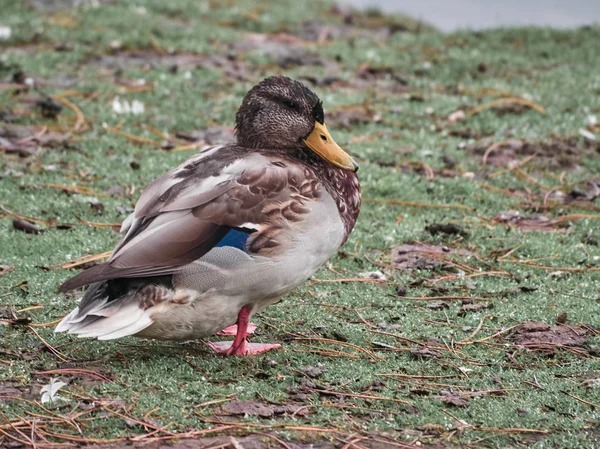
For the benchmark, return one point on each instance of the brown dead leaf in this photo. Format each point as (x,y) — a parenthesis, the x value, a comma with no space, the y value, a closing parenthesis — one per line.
(547,338)
(25,140)
(6,269)
(476,307)
(534,222)
(314,371)
(349,117)
(425,353)
(49,107)
(253,408)
(581,195)
(457,400)
(556,154)
(446,228)
(26,226)
(422,256)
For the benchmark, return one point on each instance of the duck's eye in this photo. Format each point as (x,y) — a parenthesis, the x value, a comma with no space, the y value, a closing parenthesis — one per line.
(290,104)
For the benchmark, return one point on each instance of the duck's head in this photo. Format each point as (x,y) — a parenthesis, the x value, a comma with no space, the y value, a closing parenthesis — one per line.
(281,113)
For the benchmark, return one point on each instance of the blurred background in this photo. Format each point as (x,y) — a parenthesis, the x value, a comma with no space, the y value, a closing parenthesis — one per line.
(480,14)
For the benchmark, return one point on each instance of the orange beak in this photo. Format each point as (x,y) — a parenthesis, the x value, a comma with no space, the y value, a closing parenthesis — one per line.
(321,142)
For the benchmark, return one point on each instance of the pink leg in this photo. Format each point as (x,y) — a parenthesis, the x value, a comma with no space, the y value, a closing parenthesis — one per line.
(232,330)
(240,345)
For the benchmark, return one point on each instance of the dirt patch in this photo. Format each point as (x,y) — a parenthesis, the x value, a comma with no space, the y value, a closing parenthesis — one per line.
(422,256)
(548,338)
(557,154)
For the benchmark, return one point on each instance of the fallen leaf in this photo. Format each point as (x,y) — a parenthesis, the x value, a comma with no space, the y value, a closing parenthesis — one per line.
(561,318)
(476,307)
(25,141)
(6,269)
(547,338)
(425,353)
(253,408)
(26,226)
(422,256)
(446,228)
(456,400)
(314,371)
(115,190)
(437,305)
(97,206)
(563,153)
(347,118)
(535,222)
(49,107)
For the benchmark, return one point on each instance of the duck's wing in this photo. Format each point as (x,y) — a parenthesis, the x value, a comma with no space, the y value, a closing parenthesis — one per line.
(188,211)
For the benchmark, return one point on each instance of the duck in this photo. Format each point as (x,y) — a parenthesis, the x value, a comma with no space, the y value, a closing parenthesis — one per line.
(228,232)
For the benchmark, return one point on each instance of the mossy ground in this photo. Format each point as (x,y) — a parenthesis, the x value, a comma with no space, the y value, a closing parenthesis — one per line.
(418,78)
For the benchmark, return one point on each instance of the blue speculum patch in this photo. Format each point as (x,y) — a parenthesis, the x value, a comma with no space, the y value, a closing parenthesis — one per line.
(235,238)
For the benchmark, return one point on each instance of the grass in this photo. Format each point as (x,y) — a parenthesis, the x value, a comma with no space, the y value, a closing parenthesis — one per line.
(400,128)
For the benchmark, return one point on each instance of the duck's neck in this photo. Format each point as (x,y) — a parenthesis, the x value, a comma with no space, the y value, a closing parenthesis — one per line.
(342,185)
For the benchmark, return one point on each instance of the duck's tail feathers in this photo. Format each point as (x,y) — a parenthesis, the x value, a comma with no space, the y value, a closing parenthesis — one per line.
(107,320)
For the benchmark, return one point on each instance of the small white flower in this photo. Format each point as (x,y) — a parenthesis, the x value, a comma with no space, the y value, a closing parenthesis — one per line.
(5,32)
(123,107)
(119,107)
(187,75)
(591,120)
(137,107)
(50,390)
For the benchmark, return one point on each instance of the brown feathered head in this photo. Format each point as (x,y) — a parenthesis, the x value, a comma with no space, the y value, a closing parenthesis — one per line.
(283,114)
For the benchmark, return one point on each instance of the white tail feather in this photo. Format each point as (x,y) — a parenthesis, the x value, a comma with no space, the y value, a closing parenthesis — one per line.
(112,322)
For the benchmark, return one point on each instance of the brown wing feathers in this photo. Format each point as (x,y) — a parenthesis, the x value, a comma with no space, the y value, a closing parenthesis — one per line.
(185,220)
